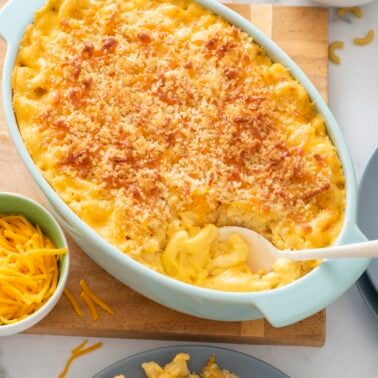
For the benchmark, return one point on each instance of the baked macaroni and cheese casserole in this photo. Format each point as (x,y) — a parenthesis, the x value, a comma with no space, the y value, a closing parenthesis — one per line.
(157,122)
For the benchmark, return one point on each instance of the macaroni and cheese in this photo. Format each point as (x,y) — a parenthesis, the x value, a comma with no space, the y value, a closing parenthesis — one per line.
(157,121)
(178,368)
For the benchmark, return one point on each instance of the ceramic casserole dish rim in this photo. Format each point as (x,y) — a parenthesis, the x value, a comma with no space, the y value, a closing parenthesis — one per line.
(277,304)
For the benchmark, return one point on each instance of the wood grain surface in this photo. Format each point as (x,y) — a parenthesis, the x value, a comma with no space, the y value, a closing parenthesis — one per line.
(303,34)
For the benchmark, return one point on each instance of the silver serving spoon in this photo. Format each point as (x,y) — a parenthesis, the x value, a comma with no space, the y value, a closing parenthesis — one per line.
(263,254)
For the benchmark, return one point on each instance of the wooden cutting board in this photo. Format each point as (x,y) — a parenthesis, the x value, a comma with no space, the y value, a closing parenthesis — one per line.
(303,33)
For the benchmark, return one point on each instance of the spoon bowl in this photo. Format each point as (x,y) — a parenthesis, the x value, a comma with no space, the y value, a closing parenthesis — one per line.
(263,254)
(261,250)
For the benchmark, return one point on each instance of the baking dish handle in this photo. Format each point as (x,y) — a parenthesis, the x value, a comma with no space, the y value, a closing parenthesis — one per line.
(12,16)
(281,308)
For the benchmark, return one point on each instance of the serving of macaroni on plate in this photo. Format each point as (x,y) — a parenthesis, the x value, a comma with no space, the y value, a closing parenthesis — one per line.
(158,122)
(178,368)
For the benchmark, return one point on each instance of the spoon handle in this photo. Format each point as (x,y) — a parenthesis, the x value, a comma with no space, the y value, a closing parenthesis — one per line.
(364,249)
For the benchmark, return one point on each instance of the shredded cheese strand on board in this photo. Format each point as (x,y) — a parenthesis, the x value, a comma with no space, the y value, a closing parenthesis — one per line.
(95,298)
(29,268)
(77,352)
(73,302)
(90,305)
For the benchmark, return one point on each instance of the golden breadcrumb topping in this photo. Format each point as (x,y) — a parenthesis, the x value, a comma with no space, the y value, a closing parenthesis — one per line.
(151,116)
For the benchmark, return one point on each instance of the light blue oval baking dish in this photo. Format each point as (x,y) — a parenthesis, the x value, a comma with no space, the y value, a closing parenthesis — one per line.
(280,306)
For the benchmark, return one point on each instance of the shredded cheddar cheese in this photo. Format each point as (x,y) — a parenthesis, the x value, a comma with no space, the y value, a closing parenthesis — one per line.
(78,352)
(95,298)
(73,302)
(29,268)
(88,301)
(79,347)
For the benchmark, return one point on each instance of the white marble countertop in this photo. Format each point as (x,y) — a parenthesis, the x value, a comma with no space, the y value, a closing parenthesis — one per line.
(351,347)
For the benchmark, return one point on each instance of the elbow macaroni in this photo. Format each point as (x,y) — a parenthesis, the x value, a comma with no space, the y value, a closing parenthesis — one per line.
(356,11)
(365,40)
(203,260)
(156,121)
(336,45)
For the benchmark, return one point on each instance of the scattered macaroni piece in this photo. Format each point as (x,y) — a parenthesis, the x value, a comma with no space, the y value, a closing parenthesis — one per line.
(29,268)
(95,298)
(90,305)
(73,302)
(365,40)
(78,352)
(331,51)
(341,12)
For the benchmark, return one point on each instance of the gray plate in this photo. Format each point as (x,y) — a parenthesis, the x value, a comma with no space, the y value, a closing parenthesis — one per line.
(367,220)
(368,293)
(372,272)
(238,363)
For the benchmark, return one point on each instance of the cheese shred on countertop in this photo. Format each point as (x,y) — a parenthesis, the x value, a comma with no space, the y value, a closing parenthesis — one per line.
(78,352)
(29,268)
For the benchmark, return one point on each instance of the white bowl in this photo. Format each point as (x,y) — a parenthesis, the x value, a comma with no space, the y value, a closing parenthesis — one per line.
(34,212)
